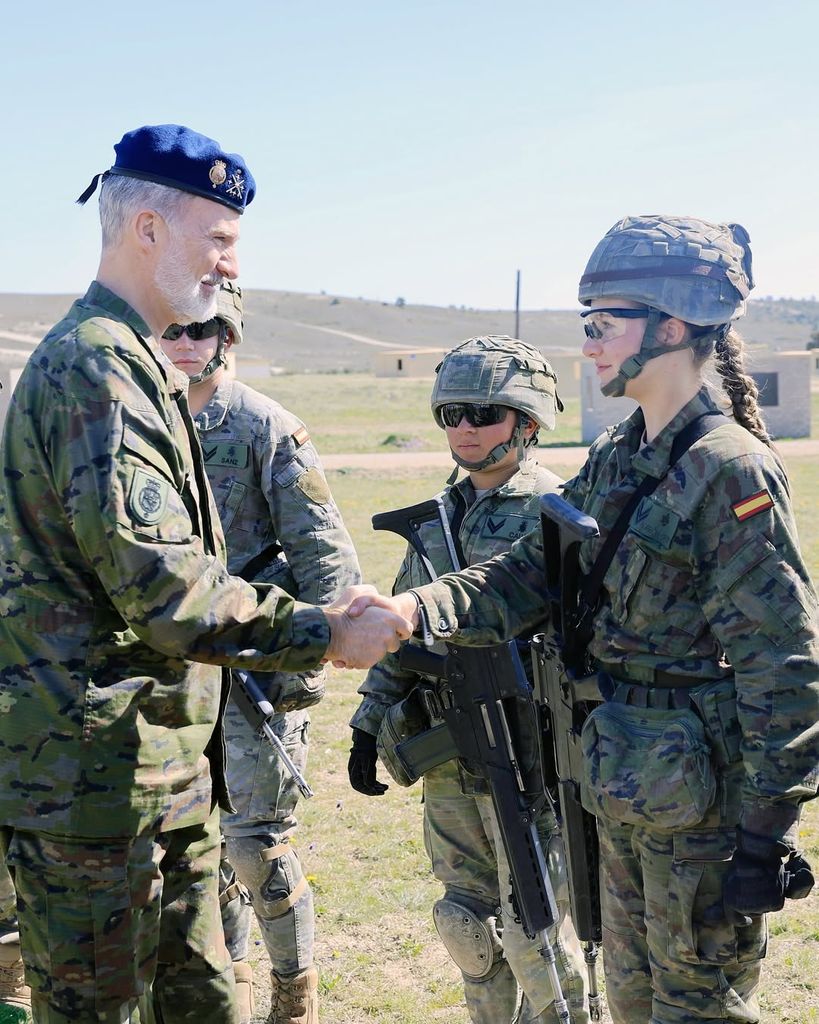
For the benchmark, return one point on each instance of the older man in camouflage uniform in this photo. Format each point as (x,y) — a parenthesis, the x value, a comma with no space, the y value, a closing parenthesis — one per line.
(116,609)
(281,526)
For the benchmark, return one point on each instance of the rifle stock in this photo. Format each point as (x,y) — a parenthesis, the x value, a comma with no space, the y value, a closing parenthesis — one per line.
(562,685)
(483,702)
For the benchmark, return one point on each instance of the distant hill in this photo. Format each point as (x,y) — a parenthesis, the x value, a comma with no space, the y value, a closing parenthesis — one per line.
(298,331)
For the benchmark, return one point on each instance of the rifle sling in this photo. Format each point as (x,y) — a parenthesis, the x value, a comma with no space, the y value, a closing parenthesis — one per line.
(690,433)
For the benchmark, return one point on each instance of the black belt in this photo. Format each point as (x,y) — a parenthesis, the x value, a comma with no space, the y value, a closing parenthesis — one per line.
(659,677)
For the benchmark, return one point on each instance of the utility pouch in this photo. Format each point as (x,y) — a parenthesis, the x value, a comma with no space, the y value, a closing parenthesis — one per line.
(406,744)
(301,690)
(716,703)
(646,766)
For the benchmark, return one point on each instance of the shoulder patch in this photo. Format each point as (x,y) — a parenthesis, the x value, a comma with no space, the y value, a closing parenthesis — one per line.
(313,486)
(300,436)
(148,498)
(226,453)
(759,502)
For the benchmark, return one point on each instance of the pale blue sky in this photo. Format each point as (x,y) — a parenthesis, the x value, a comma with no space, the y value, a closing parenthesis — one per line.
(424,149)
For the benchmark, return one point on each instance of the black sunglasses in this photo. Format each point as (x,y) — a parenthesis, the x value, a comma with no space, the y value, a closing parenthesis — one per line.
(209,329)
(476,415)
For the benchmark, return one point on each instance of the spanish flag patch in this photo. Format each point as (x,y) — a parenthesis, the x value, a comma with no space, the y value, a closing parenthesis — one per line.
(759,502)
(301,436)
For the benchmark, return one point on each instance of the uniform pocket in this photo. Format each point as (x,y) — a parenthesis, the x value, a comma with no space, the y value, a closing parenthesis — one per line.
(402,721)
(646,766)
(698,932)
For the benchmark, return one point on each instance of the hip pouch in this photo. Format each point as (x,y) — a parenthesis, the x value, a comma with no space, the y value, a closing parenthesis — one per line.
(646,766)
(404,720)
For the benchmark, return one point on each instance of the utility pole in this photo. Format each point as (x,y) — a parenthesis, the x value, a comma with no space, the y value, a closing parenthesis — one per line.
(517,306)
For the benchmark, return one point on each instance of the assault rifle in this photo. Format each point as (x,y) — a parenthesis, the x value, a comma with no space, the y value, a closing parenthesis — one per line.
(257,709)
(563,686)
(485,703)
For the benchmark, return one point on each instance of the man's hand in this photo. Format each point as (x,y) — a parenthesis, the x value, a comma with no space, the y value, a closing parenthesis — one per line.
(361,641)
(361,768)
(404,605)
(758,881)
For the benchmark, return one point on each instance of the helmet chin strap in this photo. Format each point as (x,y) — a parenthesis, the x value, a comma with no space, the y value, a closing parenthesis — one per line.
(633,366)
(219,358)
(517,441)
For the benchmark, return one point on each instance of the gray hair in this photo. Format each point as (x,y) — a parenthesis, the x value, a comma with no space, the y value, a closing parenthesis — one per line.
(121,198)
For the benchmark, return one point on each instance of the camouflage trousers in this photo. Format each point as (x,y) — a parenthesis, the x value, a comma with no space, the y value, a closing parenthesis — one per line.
(670,955)
(260,871)
(122,930)
(8,902)
(463,844)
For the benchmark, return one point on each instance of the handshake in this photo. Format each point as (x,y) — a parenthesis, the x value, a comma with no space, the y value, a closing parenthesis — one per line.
(365,625)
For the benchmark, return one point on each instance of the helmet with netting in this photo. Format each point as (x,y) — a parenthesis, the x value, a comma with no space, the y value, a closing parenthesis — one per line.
(497,370)
(685,267)
(229,308)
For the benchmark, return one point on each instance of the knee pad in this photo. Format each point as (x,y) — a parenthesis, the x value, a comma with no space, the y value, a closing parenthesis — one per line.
(271,872)
(469,932)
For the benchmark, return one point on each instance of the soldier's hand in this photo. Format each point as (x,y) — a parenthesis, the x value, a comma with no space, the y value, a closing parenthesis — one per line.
(361,767)
(362,641)
(402,604)
(758,881)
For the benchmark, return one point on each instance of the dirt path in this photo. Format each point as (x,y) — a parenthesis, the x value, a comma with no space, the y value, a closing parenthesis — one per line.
(573,456)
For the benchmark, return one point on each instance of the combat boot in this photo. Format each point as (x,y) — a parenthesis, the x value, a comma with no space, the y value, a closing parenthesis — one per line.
(15,995)
(294,999)
(243,973)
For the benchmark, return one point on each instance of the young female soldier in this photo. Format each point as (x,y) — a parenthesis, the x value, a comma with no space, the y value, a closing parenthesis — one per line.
(491,395)
(706,634)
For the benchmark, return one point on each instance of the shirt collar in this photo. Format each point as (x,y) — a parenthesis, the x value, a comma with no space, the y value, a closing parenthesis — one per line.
(215,412)
(99,295)
(653,459)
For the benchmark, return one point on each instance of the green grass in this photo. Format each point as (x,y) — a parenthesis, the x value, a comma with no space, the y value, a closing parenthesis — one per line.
(380,959)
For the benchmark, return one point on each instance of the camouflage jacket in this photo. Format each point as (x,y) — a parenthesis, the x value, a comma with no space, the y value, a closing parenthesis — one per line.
(280,521)
(709,575)
(490,525)
(115,604)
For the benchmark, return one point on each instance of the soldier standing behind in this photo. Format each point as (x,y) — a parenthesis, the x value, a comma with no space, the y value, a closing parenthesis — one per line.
(281,526)
(491,395)
(705,635)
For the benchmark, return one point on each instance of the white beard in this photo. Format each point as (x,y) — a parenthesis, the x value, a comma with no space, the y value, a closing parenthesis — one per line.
(188,301)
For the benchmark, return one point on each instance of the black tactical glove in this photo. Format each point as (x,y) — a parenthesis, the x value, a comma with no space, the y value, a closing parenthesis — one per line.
(361,766)
(758,881)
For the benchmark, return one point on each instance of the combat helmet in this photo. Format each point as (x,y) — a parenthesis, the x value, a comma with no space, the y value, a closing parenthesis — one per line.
(498,370)
(229,311)
(229,308)
(676,266)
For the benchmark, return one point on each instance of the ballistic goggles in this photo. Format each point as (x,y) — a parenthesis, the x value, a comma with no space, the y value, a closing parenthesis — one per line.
(599,323)
(208,329)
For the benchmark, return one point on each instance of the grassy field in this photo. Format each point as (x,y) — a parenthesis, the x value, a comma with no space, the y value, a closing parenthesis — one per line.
(380,959)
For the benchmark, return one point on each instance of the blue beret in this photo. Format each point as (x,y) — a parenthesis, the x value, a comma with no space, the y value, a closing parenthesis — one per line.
(173,155)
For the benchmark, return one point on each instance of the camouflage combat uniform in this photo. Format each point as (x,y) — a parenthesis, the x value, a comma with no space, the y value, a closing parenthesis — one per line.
(112,747)
(460,826)
(281,526)
(708,590)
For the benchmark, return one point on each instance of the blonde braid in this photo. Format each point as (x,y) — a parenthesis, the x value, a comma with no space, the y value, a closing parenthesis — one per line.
(741,389)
